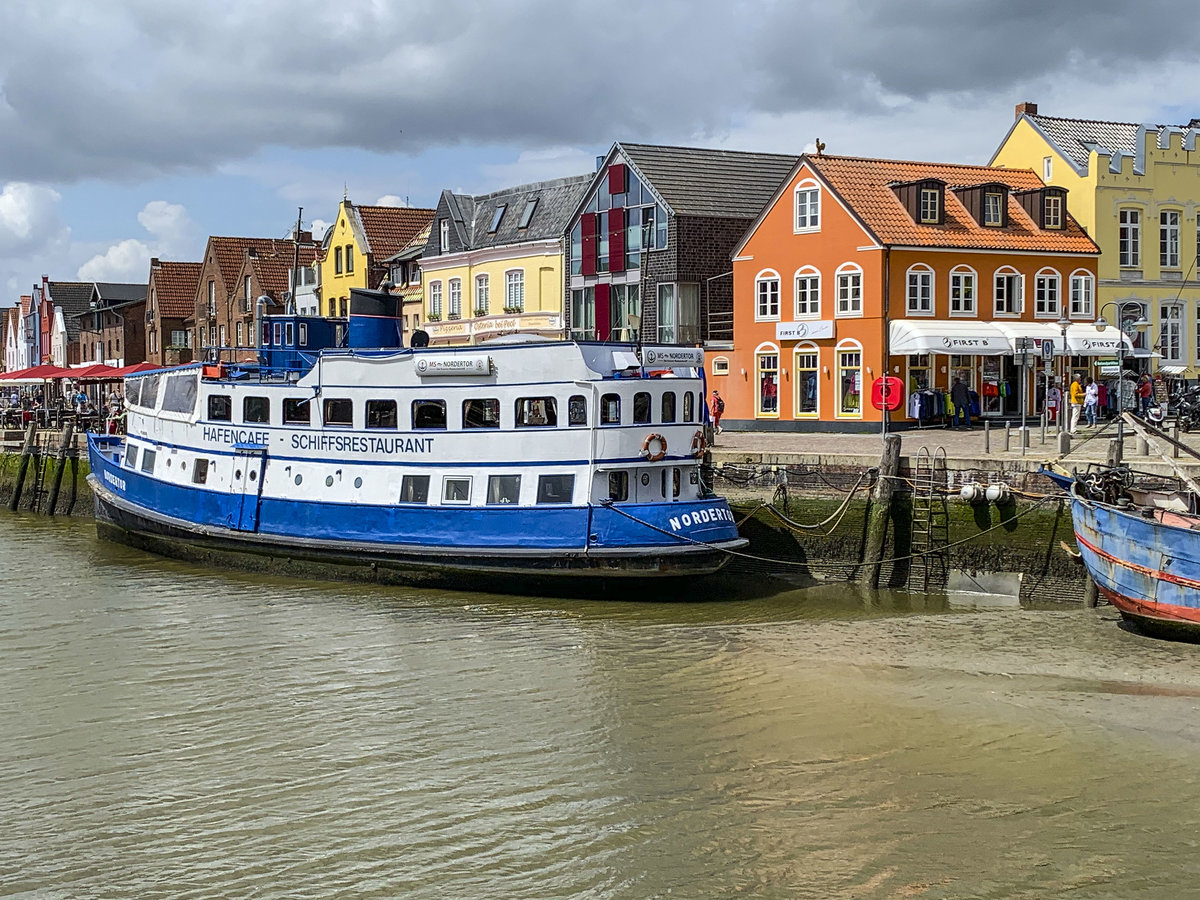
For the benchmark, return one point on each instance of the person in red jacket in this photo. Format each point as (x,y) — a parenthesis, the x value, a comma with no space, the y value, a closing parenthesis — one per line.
(717,408)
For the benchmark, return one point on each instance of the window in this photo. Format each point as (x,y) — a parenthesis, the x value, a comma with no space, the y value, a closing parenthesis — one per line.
(808,206)
(148,457)
(222,336)
(689,406)
(1130,233)
(641,408)
(624,300)
(720,365)
(668,407)
(303,332)
(1081,295)
(414,489)
(481,413)
(577,249)
(212,297)
(296,411)
(337,260)
(583,314)
(993,209)
(200,471)
(536,412)
(131,456)
(527,212)
(766,289)
(618,486)
(429,414)
(807,383)
(180,393)
(1052,211)
(679,313)
(577,410)
(289,338)
(1047,167)
(1045,294)
(931,203)
(920,291)
(181,338)
(503,489)
(481,295)
(555,488)
(382,414)
(610,409)
(808,293)
(1168,239)
(768,383)
(444,235)
(1009,293)
(962,291)
(455,298)
(338,411)
(220,408)
(849,291)
(256,410)
(435,299)
(1170,333)
(496,217)
(514,291)
(241,333)
(456,489)
(849,381)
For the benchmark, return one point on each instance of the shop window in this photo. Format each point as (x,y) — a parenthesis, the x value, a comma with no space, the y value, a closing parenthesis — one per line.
(849,382)
(807,382)
(768,384)
(919,372)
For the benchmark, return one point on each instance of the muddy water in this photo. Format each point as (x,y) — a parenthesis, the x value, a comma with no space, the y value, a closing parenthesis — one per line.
(168,731)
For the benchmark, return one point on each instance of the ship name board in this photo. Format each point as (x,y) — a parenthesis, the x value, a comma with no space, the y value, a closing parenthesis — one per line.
(453,365)
(672,356)
(235,436)
(118,483)
(701,517)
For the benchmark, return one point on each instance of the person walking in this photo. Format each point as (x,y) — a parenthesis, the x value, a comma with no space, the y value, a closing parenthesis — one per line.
(1145,394)
(1077,397)
(1053,400)
(717,408)
(960,396)
(1091,402)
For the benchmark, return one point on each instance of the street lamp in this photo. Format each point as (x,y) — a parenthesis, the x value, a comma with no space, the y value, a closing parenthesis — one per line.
(1063,323)
(1141,324)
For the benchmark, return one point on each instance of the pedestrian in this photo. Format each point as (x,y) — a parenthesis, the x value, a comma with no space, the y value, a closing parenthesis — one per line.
(1053,401)
(1145,394)
(717,408)
(960,396)
(1077,397)
(1091,402)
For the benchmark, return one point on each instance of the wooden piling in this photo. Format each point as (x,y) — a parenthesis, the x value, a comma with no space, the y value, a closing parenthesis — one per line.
(23,469)
(1091,594)
(60,467)
(880,512)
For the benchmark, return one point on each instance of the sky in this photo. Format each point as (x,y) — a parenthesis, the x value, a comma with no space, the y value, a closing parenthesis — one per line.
(136,128)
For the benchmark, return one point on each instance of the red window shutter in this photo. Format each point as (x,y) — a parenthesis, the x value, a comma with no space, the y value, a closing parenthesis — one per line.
(603,311)
(587,225)
(616,240)
(616,178)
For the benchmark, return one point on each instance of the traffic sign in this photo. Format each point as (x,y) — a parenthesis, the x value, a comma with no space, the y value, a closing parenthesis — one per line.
(1047,349)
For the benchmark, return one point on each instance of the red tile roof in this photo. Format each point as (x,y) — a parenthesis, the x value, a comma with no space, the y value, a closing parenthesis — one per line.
(175,286)
(863,185)
(272,270)
(26,303)
(390,228)
(231,252)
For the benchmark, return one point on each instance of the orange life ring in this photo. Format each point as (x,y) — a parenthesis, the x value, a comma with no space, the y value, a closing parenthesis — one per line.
(662,441)
(698,444)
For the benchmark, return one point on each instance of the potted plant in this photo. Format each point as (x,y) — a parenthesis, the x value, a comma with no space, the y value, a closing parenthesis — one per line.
(481,311)
(433,317)
(454,316)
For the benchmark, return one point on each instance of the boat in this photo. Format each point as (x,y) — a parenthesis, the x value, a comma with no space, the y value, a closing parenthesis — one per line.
(495,466)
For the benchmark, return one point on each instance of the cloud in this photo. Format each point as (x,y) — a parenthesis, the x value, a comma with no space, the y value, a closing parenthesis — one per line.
(540,165)
(29,220)
(128,261)
(319,227)
(171,233)
(391,200)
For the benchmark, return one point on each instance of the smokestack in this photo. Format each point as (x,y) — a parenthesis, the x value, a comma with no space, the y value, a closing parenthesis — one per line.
(1026,109)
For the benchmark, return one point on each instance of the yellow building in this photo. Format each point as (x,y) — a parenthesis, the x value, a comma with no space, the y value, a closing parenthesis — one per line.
(1136,190)
(357,246)
(494,263)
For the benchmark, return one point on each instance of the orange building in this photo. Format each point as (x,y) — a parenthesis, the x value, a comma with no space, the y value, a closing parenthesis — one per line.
(859,268)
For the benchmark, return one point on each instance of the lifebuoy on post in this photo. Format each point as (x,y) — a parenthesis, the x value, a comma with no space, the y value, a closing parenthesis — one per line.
(698,444)
(662,447)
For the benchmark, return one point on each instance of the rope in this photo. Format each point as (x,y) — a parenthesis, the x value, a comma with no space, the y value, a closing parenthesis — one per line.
(838,514)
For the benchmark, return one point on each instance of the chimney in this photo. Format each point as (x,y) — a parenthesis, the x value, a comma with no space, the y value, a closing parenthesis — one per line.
(1026,109)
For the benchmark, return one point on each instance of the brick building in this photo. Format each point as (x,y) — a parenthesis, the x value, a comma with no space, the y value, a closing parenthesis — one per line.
(113,331)
(169,309)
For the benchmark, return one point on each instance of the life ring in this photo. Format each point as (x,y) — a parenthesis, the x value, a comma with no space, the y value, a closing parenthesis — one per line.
(699,445)
(662,442)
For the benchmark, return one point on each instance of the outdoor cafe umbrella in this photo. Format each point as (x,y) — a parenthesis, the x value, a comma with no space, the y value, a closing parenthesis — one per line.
(35,374)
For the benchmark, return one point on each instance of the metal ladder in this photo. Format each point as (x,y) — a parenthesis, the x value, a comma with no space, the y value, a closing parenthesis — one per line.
(930,520)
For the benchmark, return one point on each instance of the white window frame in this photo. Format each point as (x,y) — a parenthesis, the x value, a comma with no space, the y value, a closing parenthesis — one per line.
(848,291)
(807,348)
(1168,239)
(811,277)
(1047,168)
(1080,279)
(918,288)
(806,207)
(766,296)
(514,289)
(444,235)
(435,298)
(848,346)
(720,365)
(1008,272)
(1047,294)
(964,272)
(1129,232)
(1175,322)
(482,289)
(454,290)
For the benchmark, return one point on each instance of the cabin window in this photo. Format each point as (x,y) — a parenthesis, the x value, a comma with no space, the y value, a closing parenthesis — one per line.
(555,488)
(429,414)
(618,486)
(256,410)
(676,481)
(295,411)
(668,406)
(338,411)
(382,414)
(133,392)
(536,412)
(610,409)
(200,472)
(148,460)
(278,334)
(689,406)
(220,408)
(290,336)
(150,391)
(457,490)
(180,394)
(641,408)
(503,489)
(303,328)
(481,413)
(131,455)
(577,410)
(414,489)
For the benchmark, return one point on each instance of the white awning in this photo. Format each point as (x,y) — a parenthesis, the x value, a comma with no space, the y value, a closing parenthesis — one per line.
(1085,339)
(946,336)
(1035,331)
(1173,370)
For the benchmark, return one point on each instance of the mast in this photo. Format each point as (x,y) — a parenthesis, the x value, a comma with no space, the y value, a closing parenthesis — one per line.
(296,258)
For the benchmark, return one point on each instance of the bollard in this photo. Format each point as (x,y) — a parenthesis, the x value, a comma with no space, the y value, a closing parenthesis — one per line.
(1115,452)
(1043,429)
(987,435)
(1064,443)
(1025,437)
(1175,435)
(1007,436)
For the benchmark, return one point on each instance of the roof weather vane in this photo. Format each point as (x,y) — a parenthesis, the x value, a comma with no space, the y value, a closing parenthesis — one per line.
(819,146)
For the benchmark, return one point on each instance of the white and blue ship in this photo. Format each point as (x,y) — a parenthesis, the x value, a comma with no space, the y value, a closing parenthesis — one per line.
(485,464)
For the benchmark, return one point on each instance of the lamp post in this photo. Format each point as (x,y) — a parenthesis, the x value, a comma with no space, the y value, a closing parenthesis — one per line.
(1101,324)
(1063,323)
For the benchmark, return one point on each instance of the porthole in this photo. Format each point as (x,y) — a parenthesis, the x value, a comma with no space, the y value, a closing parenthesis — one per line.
(299,478)
(183,465)
(237,474)
(168,462)
(645,478)
(358,482)
(253,475)
(328,481)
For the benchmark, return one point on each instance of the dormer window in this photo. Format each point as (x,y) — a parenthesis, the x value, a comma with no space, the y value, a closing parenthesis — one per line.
(993,209)
(1047,206)
(1052,211)
(931,206)
(924,200)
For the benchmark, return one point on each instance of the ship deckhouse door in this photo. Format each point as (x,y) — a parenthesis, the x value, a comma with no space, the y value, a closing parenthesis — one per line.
(249,461)
(649,485)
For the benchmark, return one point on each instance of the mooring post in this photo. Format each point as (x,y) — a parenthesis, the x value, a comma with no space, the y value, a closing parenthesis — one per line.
(1091,594)
(26,453)
(987,435)
(1007,436)
(59,467)
(881,507)
(1175,435)
(1043,428)
(1114,452)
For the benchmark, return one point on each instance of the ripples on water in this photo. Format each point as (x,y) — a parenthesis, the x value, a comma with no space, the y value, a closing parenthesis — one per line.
(175,732)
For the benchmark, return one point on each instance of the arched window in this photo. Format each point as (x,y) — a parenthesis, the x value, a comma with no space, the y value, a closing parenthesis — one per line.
(849,290)
(766,296)
(766,358)
(807,206)
(1083,294)
(1008,292)
(1046,289)
(808,293)
(720,365)
(920,290)
(849,375)
(807,372)
(962,291)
